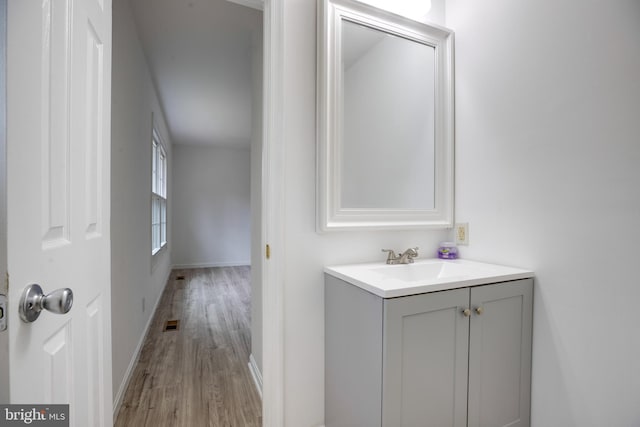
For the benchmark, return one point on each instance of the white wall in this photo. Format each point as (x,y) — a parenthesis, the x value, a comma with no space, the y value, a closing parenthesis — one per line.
(211,206)
(134,276)
(306,252)
(257,251)
(548,155)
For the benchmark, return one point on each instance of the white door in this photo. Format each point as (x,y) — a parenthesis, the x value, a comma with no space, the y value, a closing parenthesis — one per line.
(58,189)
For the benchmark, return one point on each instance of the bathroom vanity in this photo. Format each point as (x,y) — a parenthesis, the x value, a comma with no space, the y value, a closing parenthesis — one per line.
(433,343)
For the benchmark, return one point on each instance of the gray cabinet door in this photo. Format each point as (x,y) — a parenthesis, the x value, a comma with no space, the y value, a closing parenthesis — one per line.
(500,355)
(425,344)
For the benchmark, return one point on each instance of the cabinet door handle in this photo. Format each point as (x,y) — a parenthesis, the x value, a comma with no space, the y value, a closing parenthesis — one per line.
(479,310)
(466,312)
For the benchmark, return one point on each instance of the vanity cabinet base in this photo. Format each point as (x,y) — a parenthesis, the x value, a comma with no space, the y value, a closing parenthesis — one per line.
(420,361)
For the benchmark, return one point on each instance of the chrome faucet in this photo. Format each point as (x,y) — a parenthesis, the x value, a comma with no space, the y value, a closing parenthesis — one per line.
(404,258)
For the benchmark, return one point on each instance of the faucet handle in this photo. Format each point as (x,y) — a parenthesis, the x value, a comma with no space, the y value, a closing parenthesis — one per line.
(411,254)
(391,256)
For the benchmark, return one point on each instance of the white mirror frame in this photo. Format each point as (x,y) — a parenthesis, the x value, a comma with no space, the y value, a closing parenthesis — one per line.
(330,215)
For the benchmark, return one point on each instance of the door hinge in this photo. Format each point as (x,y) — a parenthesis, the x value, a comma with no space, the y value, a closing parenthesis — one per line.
(268,251)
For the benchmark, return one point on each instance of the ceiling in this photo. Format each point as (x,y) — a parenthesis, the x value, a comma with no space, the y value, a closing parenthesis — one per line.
(199,53)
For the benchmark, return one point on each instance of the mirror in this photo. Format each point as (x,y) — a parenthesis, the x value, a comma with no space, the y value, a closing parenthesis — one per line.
(385,120)
(388,119)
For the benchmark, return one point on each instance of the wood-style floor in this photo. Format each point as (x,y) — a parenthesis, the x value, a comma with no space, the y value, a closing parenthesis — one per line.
(197,376)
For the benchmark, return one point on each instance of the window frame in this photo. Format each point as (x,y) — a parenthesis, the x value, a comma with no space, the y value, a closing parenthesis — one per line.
(159,205)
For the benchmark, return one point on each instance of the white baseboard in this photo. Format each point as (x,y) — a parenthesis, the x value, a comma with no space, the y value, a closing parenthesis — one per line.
(256,374)
(212,264)
(136,355)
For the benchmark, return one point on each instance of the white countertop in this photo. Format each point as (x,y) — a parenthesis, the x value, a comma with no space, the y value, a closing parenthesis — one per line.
(426,275)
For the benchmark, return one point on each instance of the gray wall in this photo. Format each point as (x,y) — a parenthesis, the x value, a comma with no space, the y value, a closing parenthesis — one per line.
(211,221)
(136,277)
(547,150)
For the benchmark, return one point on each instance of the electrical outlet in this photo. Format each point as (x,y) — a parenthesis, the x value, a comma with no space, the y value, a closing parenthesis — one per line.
(462,233)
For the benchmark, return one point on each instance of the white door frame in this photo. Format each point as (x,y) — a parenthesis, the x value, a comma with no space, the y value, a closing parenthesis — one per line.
(272,223)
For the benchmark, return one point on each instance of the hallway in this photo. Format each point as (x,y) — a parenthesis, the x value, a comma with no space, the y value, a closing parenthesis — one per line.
(196,375)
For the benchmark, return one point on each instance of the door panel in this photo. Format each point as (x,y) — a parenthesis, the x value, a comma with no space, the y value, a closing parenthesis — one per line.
(55,119)
(93,140)
(58,145)
(500,355)
(57,380)
(95,358)
(425,360)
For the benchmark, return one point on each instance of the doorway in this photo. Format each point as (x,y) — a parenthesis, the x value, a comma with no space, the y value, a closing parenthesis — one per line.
(187,129)
(272,186)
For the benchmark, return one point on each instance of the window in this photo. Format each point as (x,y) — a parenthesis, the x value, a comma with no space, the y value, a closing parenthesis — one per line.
(158,195)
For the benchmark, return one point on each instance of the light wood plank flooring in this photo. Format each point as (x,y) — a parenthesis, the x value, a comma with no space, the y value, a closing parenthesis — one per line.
(198,375)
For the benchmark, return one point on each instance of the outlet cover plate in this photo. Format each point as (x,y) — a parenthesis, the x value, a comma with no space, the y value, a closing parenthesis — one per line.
(461,230)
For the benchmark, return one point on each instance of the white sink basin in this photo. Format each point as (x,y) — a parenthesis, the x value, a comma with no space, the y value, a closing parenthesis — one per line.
(423,271)
(427,275)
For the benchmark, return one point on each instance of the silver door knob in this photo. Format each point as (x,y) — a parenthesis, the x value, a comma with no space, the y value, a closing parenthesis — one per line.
(466,312)
(33,301)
